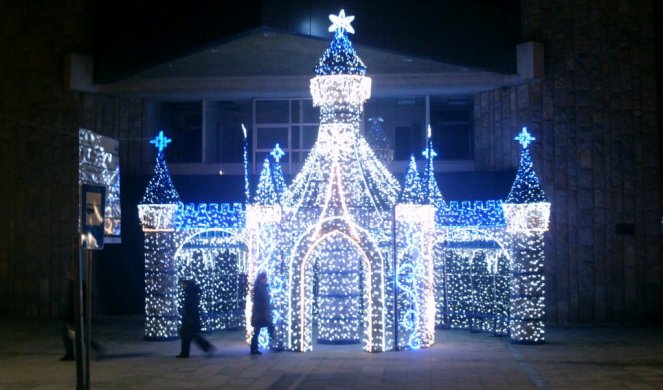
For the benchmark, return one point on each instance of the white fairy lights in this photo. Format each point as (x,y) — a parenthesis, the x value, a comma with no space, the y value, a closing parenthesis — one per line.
(527,213)
(350,257)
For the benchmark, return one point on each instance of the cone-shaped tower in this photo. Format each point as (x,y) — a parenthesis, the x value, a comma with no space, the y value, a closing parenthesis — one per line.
(265,193)
(527,212)
(432,193)
(157,212)
(277,172)
(160,189)
(412,192)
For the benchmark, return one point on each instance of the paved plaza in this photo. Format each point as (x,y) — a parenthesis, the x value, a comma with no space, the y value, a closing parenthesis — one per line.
(573,358)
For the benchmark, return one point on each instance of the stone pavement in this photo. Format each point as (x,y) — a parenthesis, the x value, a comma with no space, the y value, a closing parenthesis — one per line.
(573,358)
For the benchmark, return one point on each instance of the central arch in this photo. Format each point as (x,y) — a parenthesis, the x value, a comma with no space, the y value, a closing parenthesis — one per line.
(300,283)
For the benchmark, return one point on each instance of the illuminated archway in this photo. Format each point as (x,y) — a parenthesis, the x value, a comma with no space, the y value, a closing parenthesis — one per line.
(472,261)
(217,260)
(299,280)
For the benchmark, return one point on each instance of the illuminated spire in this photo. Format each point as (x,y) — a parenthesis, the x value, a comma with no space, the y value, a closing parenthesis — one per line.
(526,187)
(160,189)
(340,57)
(431,191)
(277,172)
(265,193)
(412,192)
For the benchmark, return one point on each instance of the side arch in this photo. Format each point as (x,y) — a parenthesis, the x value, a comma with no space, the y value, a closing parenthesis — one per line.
(217,260)
(471,267)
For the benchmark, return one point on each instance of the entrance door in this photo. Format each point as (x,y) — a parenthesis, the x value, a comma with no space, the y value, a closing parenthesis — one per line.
(338,289)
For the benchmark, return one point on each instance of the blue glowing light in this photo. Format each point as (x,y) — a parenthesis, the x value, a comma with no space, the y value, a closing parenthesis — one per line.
(160,189)
(526,187)
(277,153)
(525,138)
(161,141)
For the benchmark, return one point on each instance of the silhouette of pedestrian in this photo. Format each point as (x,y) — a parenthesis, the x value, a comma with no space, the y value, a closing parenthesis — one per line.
(190,330)
(261,313)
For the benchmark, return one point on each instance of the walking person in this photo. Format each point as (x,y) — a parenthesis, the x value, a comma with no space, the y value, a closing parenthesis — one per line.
(68,318)
(190,330)
(261,313)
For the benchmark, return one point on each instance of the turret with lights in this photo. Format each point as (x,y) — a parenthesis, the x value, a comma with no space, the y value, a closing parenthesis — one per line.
(527,213)
(157,212)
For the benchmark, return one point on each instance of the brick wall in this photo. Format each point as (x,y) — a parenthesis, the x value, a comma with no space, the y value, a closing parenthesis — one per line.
(597,154)
(39,121)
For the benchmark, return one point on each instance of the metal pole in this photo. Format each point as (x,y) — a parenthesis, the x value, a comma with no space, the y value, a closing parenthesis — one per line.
(88,315)
(79,321)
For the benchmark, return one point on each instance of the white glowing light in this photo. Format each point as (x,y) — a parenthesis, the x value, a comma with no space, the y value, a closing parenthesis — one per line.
(524,138)
(341,23)
(342,249)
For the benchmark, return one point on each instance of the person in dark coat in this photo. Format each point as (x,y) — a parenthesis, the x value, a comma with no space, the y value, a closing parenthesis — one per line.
(261,313)
(68,318)
(190,330)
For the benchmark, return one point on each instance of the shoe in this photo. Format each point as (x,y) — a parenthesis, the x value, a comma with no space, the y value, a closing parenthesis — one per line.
(180,356)
(256,352)
(66,358)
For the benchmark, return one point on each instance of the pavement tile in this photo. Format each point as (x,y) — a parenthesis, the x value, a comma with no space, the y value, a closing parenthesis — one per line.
(573,358)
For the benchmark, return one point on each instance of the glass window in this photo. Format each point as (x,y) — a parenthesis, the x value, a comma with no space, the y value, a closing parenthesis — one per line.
(295,137)
(309,136)
(299,130)
(294,111)
(272,111)
(310,114)
(270,136)
(409,139)
(452,127)
(183,123)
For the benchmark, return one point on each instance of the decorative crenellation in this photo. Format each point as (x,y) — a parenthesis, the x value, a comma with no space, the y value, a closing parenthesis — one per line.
(210,215)
(478,214)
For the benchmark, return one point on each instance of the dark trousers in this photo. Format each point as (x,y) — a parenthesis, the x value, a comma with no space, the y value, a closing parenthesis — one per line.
(188,336)
(67,341)
(256,334)
(68,336)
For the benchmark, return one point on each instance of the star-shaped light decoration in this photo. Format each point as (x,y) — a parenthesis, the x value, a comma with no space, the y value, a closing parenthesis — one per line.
(277,153)
(433,153)
(524,137)
(161,141)
(341,23)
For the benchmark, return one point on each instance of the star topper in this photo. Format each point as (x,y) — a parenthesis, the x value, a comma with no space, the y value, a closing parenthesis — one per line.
(161,141)
(277,153)
(524,137)
(425,153)
(341,23)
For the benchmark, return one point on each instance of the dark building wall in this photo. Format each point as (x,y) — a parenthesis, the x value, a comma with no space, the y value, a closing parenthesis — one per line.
(597,155)
(39,121)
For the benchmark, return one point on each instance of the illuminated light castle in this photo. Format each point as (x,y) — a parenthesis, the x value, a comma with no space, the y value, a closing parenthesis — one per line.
(352,257)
